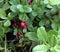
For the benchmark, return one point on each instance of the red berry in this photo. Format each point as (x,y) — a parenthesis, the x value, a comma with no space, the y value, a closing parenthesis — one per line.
(30,3)
(19,33)
(19,37)
(23,24)
(15,24)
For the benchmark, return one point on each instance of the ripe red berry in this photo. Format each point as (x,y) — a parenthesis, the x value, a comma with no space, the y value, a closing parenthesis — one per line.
(18,33)
(15,24)
(30,3)
(23,24)
(19,37)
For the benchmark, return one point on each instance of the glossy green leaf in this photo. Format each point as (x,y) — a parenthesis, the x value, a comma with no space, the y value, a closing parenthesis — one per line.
(23,17)
(42,34)
(33,13)
(6,6)
(24,9)
(31,36)
(15,31)
(40,48)
(20,8)
(52,38)
(42,22)
(10,17)
(13,8)
(54,2)
(2,14)
(53,32)
(27,9)
(54,25)
(7,23)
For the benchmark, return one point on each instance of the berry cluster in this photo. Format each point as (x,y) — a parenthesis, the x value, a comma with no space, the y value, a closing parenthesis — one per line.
(19,35)
(21,24)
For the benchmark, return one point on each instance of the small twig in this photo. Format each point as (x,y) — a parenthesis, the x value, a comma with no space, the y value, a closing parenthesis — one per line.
(24,49)
(32,45)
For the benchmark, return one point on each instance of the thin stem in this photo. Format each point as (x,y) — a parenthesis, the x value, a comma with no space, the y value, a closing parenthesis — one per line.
(5,43)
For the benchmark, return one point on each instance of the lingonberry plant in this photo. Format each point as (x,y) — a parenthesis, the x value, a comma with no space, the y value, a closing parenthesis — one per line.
(25,24)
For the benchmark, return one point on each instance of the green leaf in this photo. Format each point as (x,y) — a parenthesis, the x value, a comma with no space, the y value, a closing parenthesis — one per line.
(1,32)
(14,2)
(7,23)
(24,30)
(45,1)
(12,46)
(59,33)
(6,29)
(53,32)
(1,3)
(27,9)
(1,39)
(40,48)
(54,2)
(57,48)
(21,8)
(53,41)
(30,28)
(15,31)
(42,22)
(23,17)
(10,17)
(13,8)
(33,13)
(52,49)
(24,2)
(42,34)
(24,9)
(59,36)
(31,36)
(52,38)
(2,14)
(1,0)
(1,48)
(54,26)
(21,40)
(6,6)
